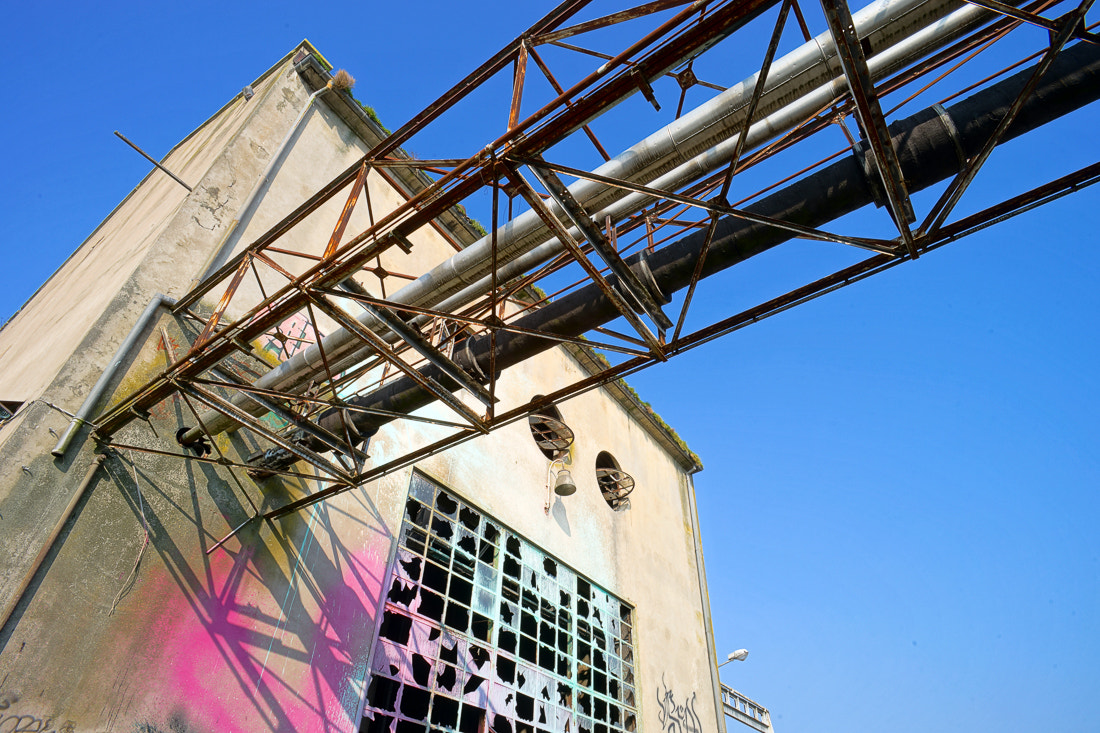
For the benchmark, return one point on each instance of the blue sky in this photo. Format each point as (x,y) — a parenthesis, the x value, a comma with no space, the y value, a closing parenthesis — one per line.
(900,496)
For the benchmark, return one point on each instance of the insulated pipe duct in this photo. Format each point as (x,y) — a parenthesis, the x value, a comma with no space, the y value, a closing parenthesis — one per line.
(889,61)
(928,153)
(679,153)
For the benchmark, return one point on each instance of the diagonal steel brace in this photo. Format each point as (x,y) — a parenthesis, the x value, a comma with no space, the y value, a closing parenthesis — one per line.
(628,281)
(215,402)
(345,319)
(429,352)
(570,244)
(324,436)
(871,120)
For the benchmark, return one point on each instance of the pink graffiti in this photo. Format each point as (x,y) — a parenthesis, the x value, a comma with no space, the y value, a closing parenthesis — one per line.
(266,643)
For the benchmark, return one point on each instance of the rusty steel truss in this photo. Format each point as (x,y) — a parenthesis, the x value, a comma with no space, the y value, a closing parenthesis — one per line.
(323,419)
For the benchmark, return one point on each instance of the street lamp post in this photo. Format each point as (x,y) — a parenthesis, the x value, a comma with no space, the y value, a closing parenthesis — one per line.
(739,707)
(738,656)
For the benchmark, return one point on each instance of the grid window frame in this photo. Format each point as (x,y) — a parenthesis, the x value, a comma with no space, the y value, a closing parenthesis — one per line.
(481,628)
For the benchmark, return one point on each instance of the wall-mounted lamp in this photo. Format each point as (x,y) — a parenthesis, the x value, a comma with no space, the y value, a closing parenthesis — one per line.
(563,483)
(738,656)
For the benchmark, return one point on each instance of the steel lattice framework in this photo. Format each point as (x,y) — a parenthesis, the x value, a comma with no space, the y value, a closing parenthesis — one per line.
(431,342)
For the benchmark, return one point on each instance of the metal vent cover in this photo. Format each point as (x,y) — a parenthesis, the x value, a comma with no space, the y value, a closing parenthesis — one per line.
(615,485)
(551,435)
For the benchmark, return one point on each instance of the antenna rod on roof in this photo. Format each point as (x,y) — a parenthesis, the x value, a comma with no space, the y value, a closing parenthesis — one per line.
(175,178)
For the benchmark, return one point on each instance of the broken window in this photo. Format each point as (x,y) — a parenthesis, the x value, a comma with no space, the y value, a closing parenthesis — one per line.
(482,631)
(8,408)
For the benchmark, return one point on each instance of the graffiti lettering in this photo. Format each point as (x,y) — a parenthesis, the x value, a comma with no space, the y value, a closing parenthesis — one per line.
(15,723)
(676,718)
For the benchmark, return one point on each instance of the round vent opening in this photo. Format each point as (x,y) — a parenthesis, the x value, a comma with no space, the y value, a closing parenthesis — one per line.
(551,434)
(615,484)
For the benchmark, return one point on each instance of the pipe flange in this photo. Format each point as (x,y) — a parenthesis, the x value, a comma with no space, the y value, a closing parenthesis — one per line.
(644,272)
(464,357)
(952,132)
(869,164)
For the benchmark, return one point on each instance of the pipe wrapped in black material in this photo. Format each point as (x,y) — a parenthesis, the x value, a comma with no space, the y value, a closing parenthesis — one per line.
(927,151)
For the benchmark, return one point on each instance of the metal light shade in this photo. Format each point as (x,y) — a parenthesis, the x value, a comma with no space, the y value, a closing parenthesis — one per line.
(563,484)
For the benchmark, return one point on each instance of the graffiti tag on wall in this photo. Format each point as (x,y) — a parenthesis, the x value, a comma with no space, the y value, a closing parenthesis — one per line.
(12,721)
(674,717)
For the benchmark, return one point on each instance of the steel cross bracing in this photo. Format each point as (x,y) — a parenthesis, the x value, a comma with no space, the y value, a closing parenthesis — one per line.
(633,232)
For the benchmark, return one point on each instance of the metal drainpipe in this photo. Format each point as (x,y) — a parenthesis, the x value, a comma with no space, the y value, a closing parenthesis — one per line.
(232,235)
(96,393)
(40,558)
(704,599)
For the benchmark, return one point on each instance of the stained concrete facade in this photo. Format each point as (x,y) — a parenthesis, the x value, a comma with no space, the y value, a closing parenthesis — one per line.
(121,615)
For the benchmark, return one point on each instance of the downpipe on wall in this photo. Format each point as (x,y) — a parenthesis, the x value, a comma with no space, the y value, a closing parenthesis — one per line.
(95,395)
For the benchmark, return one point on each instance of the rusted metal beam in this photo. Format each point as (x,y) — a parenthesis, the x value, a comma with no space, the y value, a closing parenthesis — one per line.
(152,160)
(633,287)
(871,120)
(874,245)
(639,12)
(422,346)
(1038,196)
(346,320)
(1011,12)
(568,102)
(1068,24)
(498,61)
(628,62)
(226,407)
(223,303)
(731,170)
(319,401)
(518,78)
(345,215)
(218,462)
(567,241)
(487,324)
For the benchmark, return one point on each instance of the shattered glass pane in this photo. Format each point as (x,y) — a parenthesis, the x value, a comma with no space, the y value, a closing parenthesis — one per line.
(484,631)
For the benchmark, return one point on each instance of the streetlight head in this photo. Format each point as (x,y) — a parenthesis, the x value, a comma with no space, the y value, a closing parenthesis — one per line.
(740,655)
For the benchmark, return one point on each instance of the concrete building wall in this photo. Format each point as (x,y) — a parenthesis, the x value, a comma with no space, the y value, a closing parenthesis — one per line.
(38,340)
(136,622)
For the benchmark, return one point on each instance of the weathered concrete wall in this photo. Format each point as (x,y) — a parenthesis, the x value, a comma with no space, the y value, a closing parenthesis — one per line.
(645,554)
(132,625)
(39,339)
(154,242)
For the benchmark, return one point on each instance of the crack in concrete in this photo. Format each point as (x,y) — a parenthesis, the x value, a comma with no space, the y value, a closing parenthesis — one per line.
(213,204)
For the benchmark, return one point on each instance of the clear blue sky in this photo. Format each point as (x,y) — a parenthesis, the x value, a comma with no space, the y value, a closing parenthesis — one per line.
(900,498)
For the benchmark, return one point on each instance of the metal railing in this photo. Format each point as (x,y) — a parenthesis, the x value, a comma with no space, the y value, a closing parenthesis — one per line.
(746,711)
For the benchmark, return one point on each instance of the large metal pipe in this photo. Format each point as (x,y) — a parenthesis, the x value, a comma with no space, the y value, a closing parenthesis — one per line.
(693,146)
(766,128)
(928,147)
